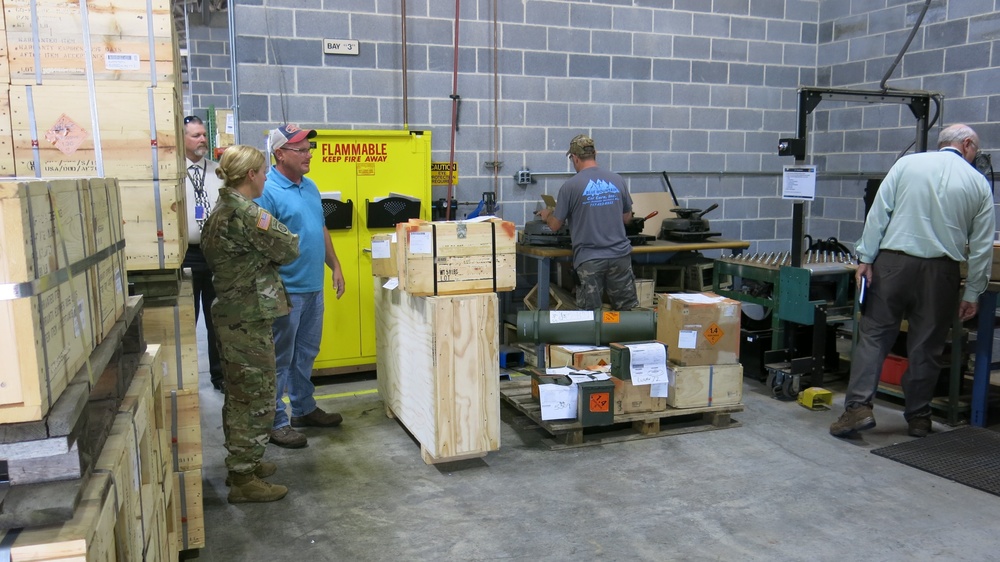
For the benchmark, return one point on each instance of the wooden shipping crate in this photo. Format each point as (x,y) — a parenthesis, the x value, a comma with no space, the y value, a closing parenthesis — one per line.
(48,39)
(577,356)
(171,324)
(56,125)
(439,370)
(120,459)
(6,135)
(4,64)
(456,257)
(184,426)
(46,326)
(635,399)
(155,223)
(102,210)
(704,385)
(89,535)
(188,495)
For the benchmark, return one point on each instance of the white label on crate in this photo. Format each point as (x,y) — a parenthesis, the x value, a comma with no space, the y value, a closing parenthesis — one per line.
(230,124)
(581,348)
(696,298)
(729,310)
(563,316)
(687,339)
(121,61)
(380,249)
(647,363)
(558,402)
(118,282)
(79,322)
(392,283)
(393,238)
(166,369)
(659,390)
(421,243)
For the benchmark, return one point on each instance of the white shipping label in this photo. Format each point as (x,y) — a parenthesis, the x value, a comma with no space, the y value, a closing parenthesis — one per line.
(647,363)
(659,390)
(380,249)
(392,283)
(729,310)
(121,61)
(421,243)
(118,282)
(558,402)
(563,316)
(687,339)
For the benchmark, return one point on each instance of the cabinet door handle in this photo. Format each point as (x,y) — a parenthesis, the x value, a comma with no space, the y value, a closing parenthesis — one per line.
(366,250)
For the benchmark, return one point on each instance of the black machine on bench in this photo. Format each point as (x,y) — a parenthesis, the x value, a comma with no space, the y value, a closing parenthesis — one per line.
(689,226)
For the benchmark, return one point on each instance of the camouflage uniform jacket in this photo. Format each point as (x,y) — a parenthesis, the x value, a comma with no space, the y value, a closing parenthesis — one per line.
(244,245)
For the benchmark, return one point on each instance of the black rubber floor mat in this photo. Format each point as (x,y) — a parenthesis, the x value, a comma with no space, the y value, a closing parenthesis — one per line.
(969,455)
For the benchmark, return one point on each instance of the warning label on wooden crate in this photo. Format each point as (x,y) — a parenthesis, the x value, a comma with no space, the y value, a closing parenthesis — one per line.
(66,135)
(714,333)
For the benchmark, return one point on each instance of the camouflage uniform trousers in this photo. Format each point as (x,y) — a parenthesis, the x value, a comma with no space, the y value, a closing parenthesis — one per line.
(612,275)
(247,351)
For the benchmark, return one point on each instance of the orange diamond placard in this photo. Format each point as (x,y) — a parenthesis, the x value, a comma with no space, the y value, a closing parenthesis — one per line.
(714,333)
(600,402)
(66,135)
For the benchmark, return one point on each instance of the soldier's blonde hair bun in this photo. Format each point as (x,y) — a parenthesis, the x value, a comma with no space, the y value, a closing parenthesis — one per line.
(236,163)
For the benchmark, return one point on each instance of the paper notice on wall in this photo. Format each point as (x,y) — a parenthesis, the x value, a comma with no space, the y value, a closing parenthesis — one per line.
(381,249)
(421,243)
(230,124)
(647,363)
(687,339)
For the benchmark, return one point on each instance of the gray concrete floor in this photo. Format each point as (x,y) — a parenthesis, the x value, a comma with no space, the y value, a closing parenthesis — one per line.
(777,488)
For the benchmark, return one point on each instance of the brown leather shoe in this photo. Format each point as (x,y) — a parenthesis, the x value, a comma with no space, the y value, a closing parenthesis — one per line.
(918,427)
(318,418)
(858,418)
(288,438)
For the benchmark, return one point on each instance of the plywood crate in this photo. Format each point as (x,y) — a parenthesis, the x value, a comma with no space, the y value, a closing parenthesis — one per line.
(46,41)
(171,324)
(635,399)
(4,62)
(47,334)
(704,385)
(56,124)
(456,257)
(439,370)
(89,535)
(184,415)
(155,223)
(173,518)
(188,495)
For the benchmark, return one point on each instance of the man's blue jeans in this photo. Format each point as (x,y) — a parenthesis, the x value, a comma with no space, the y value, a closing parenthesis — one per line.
(296,344)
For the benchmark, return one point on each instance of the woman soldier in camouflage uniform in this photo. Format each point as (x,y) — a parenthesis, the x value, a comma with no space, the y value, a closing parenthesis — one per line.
(244,245)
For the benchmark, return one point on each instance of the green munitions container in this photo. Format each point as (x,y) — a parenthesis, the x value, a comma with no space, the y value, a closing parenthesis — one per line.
(596,405)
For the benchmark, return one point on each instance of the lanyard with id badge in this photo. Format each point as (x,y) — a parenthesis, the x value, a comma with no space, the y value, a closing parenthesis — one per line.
(196,174)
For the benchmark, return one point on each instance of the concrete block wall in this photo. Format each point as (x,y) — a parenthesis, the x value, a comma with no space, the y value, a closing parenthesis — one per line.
(702,89)
(687,86)
(210,81)
(954,53)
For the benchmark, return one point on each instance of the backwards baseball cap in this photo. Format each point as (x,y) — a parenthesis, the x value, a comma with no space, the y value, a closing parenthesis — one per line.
(582,146)
(288,133)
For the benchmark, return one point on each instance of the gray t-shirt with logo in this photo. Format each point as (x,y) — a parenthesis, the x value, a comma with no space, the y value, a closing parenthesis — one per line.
(593,201)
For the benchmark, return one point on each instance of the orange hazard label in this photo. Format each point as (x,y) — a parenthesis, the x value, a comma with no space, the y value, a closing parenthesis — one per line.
(600,402)
(612,317)
(66,135)
(714,333)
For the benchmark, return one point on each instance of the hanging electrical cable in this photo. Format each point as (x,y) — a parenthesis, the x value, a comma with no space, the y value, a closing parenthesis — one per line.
(906,46)
(406,103)
(496,103)
(455,100)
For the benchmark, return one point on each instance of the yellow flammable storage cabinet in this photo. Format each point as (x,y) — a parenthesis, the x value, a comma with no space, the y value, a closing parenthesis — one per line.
(370,180)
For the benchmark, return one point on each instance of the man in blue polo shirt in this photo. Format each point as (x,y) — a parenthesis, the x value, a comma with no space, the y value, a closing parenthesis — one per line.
(294,200)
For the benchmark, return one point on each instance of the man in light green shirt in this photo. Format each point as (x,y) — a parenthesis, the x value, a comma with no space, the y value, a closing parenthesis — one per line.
(932,212)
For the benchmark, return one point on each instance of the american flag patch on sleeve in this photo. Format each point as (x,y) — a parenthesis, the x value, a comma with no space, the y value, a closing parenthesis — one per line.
(264,220)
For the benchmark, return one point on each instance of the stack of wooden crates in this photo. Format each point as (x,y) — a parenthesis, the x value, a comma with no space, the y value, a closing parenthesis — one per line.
(92,90)
(437,331)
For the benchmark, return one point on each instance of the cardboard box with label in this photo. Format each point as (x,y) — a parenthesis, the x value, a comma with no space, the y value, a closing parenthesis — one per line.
(704,385)
(699,328)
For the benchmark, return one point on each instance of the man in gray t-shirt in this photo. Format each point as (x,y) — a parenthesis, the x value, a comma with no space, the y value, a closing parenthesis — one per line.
(597,206)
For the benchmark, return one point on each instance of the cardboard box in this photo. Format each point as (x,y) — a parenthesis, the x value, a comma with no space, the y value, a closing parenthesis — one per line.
(577,356)
(635,399)
(699,328)
(644,292)
(456,257)
(707,385)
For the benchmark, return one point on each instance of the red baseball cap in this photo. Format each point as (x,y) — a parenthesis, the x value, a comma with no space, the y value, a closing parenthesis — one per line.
(289,133)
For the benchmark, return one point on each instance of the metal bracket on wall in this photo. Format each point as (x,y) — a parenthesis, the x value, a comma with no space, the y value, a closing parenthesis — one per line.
(524,178)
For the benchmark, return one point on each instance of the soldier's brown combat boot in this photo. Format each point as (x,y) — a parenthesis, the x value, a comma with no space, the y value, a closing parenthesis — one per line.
(247,488)
(263,470)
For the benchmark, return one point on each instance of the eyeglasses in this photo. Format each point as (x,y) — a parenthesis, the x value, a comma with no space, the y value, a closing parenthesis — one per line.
(299,150)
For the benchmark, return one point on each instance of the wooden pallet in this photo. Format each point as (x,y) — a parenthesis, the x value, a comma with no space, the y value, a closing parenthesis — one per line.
(566,434)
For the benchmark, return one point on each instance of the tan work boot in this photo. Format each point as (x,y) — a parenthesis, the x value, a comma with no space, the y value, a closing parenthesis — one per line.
(247,488)
(288,438)
(854,419)
(263,470)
